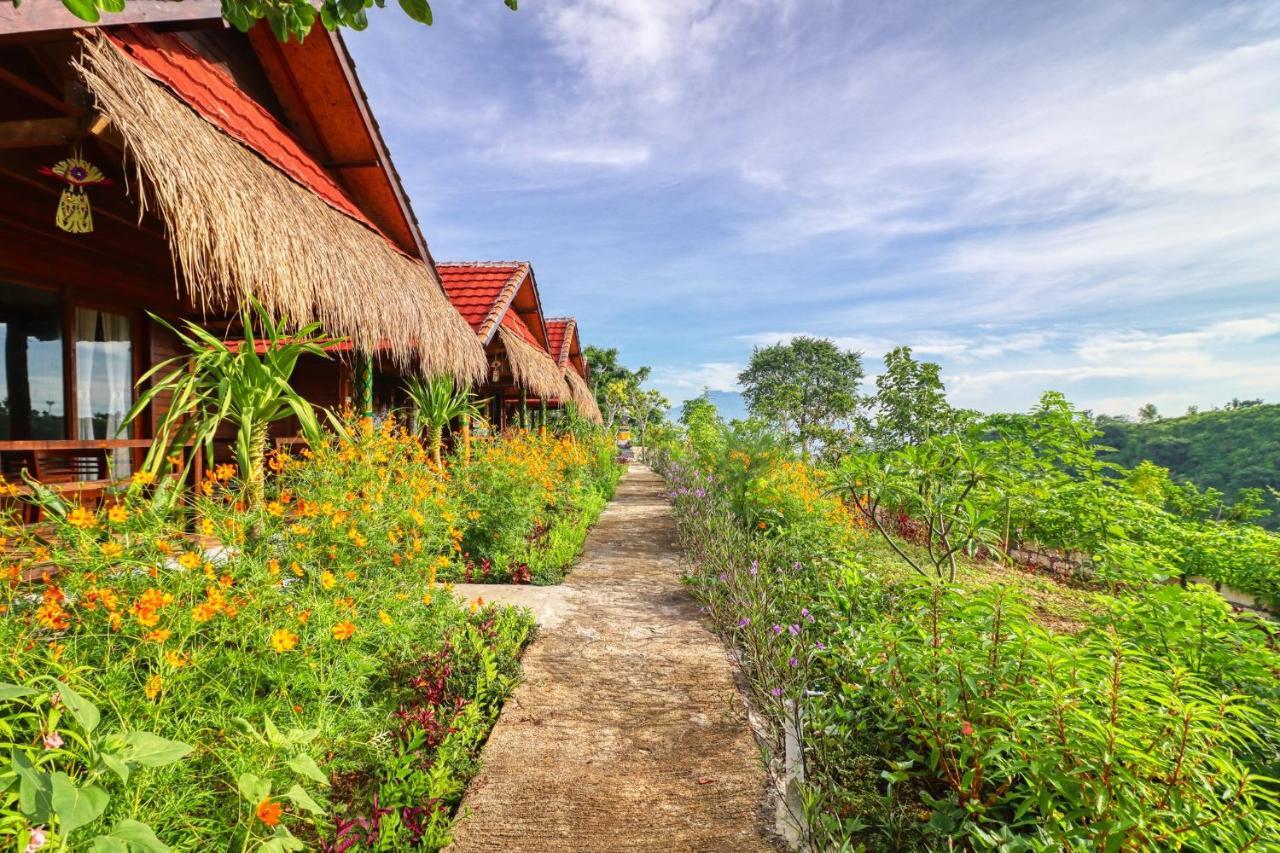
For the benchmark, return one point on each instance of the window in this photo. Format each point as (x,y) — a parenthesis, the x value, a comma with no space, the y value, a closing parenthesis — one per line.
(104,378)
(32,385)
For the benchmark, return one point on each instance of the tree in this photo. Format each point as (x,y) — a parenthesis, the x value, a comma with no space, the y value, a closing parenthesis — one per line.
(647,409)
(287,18)
(807,387)
(438,402)
(1148,413)
(910,402)
(701,422)
(611,381)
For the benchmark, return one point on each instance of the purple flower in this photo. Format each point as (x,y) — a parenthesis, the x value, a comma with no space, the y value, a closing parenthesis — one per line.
(777,691)
(795,567)
(723,577)
(820,646)
(52,740)
(794,629)
(755,568)
(794,663)
(701,493)
(777,629)
(702,610)
(744,622)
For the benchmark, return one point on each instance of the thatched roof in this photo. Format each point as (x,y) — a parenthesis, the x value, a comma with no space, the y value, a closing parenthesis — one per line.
(531,367)
(582,397)
(239,227)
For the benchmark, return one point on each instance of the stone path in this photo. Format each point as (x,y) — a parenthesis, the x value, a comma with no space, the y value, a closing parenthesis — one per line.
(627,732)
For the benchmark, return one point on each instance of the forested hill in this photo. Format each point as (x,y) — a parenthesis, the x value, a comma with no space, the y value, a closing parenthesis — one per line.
(1227,449)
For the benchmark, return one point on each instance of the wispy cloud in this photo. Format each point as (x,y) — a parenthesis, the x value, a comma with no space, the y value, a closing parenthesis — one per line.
(1072,193)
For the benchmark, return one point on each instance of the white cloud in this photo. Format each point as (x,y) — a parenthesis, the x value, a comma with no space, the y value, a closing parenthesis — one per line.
(683,382)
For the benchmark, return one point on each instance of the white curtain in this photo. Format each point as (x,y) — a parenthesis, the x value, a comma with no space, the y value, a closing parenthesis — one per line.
(104,374)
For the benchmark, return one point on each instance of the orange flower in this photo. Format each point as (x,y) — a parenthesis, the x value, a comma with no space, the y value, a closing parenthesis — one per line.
(117,514)
(204,611)
(143,478)
(343,630)
(282,640)
(296,568)
(82,518)
(269,812)
(327,580)
(189,560)
(158,636)
(111,550)
(177,660)
(153,687)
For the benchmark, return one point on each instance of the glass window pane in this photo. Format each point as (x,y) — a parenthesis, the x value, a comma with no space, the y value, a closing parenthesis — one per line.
(32,400)
(104,378)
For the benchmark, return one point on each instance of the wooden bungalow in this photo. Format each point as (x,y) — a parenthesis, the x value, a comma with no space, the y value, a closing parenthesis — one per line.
(566,348)
(165,163)
(500,301)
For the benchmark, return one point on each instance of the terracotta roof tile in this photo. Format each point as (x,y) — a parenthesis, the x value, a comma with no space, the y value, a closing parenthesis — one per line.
(209,91)
(481,291)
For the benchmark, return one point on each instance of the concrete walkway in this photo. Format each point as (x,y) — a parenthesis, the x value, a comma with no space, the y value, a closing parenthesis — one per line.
(627,731)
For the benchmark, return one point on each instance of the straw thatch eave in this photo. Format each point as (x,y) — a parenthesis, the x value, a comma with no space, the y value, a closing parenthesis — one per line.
(238,227)
(582,397)
(532,368)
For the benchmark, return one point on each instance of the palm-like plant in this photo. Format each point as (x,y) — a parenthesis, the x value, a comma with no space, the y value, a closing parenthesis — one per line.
(437,402)
(215,383)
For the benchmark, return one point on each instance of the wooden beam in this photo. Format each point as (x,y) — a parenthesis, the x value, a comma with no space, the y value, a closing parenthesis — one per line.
(31,90)
(46,15)
(38,132)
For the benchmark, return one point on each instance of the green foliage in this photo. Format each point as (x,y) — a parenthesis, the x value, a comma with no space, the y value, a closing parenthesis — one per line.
(1233,451)
(910,403)
(287,18)
(62,771)
(808,388)
(216,383)
(618,389)
(438,402)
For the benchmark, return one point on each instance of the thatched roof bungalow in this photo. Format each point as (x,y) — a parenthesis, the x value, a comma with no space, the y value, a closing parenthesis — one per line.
(231,166)
(500,300)
(566,347)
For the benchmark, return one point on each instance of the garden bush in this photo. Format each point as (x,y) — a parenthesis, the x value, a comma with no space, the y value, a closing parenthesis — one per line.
(935,715)
(289,676)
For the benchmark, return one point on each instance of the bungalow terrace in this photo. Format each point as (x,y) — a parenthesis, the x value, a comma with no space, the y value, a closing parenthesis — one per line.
(169,164)
(500,301)
(566,348)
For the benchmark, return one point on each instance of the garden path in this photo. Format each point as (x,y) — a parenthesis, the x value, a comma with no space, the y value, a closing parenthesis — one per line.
(627,732)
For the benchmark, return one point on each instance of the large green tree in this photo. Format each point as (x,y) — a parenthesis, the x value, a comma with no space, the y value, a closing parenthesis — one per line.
(613,383)
(287,18)
(910,403)
(808,388)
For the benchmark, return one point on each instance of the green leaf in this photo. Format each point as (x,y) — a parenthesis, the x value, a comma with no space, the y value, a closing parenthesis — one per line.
(305,765)
(151,750)
(85,10)
(14,691)
(34,791)
(138,836)
(85,712)
(253,788)
(419,10)
(300,798)
(75,806)
(107,844)
(111,5)
(116,765)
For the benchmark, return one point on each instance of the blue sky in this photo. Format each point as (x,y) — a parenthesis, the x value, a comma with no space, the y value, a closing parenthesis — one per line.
(1084,197)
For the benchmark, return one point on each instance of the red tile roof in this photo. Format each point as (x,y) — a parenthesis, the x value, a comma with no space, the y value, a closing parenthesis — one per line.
(513,322)
(212,93)
(481,291)
(556,327)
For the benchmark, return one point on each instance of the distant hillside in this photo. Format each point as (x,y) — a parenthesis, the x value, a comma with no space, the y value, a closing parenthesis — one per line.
(1228,449)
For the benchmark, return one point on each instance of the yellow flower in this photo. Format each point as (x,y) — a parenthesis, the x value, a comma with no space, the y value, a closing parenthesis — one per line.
(154,685)
(426,598)
(275,508)
(384,617)
(111,550)
(190,560)
(343,630)
(175,659)
(327,580)
(296,568)
(273,567)
(282,640)
(143,478)
(82,518)
(224,471)
(206,526)
(117,514)
(158,636)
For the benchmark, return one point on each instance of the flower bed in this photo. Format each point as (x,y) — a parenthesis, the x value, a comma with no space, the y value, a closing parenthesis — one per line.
(934,715)
(293,677)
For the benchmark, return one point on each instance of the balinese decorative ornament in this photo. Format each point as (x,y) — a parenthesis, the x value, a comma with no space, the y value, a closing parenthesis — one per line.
(74,215)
